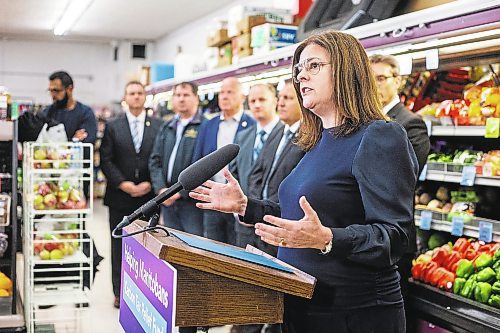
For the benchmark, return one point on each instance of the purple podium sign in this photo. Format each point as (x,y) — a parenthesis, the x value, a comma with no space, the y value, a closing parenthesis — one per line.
(149,284)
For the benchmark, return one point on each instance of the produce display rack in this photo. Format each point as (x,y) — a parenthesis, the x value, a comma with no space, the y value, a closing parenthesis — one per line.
(453,312)
(55,214)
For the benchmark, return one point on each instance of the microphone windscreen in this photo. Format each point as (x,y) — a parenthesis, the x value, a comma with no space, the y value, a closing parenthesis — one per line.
(206,167)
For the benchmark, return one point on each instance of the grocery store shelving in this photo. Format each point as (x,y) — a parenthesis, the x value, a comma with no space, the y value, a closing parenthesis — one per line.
(78,257)
(458,130)
(471,229)
(453,312)
(455,177)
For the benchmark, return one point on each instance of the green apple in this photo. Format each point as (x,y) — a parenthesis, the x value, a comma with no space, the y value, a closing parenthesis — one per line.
(56,254)
(40,154)
(44,255)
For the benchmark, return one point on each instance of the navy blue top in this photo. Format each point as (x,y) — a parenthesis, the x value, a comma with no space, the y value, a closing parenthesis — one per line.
(80,117)
(361,186)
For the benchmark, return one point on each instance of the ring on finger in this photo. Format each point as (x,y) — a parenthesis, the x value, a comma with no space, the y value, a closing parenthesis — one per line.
(282,242)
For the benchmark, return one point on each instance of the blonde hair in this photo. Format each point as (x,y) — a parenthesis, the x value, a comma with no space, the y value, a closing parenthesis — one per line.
(386,60)
(354,94)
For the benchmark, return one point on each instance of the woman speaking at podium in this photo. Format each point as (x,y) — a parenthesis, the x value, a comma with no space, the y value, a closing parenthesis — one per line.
(346,209)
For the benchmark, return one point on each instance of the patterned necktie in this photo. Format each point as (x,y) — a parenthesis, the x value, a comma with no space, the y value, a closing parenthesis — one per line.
(135,135)
(260,143)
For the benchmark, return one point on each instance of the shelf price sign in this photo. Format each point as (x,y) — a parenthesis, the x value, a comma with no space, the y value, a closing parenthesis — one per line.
(425,220)
(485,231)
(457,226)
(492,128)
(468,175)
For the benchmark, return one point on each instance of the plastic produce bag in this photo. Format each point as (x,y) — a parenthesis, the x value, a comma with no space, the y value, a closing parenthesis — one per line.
(55,133)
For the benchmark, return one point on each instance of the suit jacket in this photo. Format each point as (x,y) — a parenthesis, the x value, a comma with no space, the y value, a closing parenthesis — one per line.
(163,148)
(243,165)
(416,131)
(207,135)
(287,161)
(120,162)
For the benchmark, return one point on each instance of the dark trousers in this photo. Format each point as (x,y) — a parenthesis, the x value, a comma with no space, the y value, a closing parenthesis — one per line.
(378,319)
(184,216)
(219,226)
(115,217)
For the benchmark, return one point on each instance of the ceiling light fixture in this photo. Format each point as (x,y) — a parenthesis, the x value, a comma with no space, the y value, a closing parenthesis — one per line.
(72,13)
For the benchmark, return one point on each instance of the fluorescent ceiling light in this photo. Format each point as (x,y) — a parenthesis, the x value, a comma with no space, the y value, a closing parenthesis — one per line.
(72,13)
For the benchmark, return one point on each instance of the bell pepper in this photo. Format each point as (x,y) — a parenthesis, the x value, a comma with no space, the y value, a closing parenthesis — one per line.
(440,256)
(437,275)
(461,245)
(471,254)
(495,247)
(494,301)
(496,265)
(446,281)
(484,260)
(465,268)
(429,268)
(486,275)
(468,289)
(482,292)
(495,288)
(496,256)
(453,257)
(417,270)
(458,284)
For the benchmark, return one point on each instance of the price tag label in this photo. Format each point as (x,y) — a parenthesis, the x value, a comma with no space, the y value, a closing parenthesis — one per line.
(457,226)
(423,174)
(492,128)
(432,59)
(425,220)
(485,231)
(428,124)
(468,175)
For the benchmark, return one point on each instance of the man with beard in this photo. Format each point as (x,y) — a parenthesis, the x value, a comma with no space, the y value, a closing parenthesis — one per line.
(78,119)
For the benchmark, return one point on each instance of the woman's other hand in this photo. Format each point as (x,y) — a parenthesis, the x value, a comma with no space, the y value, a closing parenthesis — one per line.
(226,198)
(308,232)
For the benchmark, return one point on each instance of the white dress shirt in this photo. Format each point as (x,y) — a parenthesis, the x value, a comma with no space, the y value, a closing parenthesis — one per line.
(140,125)
(227,131)
(181,124)
(389,106)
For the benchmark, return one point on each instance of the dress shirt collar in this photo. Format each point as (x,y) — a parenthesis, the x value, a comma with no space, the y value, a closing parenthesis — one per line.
(392,104)
(131,118)
(269,127)
(236,117)
(292,128)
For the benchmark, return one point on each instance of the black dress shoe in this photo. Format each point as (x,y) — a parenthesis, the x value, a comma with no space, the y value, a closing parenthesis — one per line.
(116,304)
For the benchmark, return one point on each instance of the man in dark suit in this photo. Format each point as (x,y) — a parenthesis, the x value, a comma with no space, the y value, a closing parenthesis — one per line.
(252,140)
(386,71)
(216,133)
(125,149)
(172,153)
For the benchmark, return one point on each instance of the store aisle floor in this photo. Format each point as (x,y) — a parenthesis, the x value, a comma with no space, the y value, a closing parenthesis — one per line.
(102,316)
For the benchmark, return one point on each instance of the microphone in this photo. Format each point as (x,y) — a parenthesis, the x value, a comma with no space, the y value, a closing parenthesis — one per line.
(189,179)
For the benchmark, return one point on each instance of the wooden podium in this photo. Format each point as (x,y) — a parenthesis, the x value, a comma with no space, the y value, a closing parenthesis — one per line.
(214,289)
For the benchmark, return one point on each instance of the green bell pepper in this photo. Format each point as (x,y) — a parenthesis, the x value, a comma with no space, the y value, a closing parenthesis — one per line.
(458,285)
(496,256)
(486,275)
(484,260)
(468,289)
(494,301)
(496,265)
(495,288)
(465,268)
(482,292)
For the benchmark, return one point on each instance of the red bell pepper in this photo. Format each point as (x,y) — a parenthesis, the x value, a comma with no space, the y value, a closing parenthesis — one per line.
(453,258)
(429,268)
(437,275)
(446,281)
(417,270)
(471,254)
(461,245)
(440,256)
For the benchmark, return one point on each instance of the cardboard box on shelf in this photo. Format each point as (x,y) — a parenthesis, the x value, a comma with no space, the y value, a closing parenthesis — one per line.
(241,43)
(218,38)
(270,33)
(239,12)
(225,55)
(247,23)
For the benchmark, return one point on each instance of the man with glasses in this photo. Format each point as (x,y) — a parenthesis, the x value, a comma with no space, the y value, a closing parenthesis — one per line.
(386,71)
(78,119)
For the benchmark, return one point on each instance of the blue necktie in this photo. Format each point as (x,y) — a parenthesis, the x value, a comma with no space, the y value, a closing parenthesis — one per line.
(135,135)
(260,143)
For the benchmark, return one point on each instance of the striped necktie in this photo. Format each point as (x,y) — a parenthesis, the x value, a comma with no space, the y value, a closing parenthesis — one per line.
(135,135)
(260,143)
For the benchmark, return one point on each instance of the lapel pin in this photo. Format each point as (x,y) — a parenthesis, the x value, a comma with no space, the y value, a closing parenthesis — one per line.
(148,123)
(244,124)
